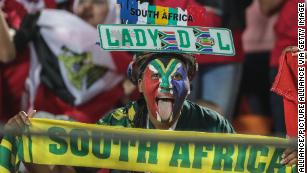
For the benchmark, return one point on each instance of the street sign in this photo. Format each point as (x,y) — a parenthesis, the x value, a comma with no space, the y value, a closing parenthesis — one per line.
(153,38)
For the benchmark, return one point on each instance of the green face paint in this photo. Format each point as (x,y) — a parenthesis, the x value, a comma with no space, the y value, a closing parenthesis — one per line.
(166,85)
(165,73)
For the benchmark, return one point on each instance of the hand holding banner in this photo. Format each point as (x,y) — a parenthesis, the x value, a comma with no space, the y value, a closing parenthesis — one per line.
(79,144)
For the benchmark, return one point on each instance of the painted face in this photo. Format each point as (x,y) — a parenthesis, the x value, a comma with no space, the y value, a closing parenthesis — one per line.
(92,11)
(165,86)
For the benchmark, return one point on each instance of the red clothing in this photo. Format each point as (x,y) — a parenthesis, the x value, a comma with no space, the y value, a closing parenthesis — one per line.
(11,88)
(285,84)
(13,84)
(122,60)
(285,29)
(14,74)
(15,11)
(180,3)
(50,3)
(90,112)
(208,19)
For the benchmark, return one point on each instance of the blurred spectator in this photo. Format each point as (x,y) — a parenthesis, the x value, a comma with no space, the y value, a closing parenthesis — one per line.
(14,73)
(220,76)
(77,77)
(258,39)
(286,35)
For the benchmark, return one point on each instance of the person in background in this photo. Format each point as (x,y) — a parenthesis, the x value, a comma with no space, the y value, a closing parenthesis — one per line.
(220,76)
(15,64)
(58,73)
(258,40)
(286,35)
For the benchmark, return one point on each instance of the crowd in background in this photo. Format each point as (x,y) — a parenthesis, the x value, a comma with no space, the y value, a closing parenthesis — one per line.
(238,87)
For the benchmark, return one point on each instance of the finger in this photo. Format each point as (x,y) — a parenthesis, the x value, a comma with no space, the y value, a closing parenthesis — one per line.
(291,49)
(19,123)
(284,161)
(14,124)
(24,118)
(10,124)
(291,156)
(32,114)
(287,152)
(292,162)
(299,52)
(294,49)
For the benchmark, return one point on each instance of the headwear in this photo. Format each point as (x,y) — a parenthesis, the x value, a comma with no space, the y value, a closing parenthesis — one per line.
(113,13)
(140,61)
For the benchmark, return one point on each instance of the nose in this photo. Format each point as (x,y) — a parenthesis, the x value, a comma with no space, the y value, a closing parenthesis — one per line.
(165,87)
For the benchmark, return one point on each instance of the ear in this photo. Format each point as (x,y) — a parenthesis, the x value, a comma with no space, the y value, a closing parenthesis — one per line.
(140,85)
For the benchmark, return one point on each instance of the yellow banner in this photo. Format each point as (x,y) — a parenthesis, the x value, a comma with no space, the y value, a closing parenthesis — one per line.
(78,144)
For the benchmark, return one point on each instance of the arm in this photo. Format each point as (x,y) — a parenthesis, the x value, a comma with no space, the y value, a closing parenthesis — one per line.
(270,7)
(7,48)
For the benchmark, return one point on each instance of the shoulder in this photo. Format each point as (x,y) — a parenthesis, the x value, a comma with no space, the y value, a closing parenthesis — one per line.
(209,120)
(123,116)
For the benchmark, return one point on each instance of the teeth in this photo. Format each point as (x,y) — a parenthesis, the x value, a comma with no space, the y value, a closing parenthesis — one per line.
(158,117)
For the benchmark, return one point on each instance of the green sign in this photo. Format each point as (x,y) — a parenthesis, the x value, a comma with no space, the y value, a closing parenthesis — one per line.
(152,38)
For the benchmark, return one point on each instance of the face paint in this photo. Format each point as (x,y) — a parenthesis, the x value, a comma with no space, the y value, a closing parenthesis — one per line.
(165,85)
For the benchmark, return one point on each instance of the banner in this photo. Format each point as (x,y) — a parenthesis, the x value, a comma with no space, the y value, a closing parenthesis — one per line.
(149,150)
(151,38)
(136,12)
(83,69)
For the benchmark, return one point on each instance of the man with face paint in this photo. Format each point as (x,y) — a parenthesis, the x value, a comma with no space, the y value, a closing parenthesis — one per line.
(164,81)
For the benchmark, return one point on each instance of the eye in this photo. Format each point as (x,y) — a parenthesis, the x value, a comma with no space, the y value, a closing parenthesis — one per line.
(177,76)
(155,76)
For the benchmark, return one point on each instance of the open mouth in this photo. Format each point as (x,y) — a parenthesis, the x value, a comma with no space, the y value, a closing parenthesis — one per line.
(165,108)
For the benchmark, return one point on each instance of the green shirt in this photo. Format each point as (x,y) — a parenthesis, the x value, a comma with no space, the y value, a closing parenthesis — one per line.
(193,118)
